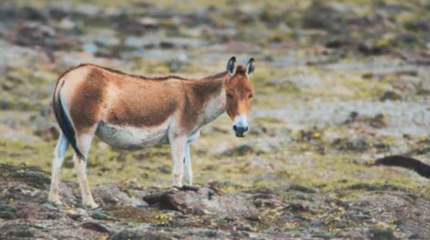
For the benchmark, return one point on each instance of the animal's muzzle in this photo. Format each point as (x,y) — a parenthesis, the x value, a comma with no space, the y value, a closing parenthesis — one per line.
(240,130)
(240,126)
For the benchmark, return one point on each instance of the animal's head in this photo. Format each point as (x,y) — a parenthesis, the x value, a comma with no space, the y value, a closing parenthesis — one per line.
(239,94)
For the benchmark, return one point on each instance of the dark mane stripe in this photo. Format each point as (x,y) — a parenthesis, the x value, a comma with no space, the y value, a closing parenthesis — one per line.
(157,78)
(216,76)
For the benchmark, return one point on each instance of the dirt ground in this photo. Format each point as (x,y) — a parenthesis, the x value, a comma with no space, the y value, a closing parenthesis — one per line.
(338,84)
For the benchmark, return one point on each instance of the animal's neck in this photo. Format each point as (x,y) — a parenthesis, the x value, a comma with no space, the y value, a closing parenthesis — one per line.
(212,88)
(215,107)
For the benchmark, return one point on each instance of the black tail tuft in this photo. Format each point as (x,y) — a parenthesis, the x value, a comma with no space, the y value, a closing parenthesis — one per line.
(65,123)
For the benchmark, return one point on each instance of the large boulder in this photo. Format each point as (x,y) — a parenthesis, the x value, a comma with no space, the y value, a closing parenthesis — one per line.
(202,200)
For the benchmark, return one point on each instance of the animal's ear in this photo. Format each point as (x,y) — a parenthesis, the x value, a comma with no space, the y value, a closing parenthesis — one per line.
(231,66)
(250,67)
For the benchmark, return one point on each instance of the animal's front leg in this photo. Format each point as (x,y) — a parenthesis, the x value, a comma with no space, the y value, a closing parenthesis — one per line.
(178,146)
(188,168)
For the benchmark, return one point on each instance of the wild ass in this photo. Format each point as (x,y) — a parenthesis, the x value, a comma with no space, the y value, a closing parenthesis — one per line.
(131,112)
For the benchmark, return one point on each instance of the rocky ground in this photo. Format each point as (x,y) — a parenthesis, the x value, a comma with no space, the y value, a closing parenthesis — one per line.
(338,84)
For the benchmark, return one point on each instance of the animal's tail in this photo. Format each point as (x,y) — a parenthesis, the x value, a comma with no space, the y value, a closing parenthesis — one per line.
(62,119)
(406,162)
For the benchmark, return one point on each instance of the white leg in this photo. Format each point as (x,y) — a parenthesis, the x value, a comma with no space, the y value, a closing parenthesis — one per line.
(84,144)
(57,162)
(178,145)
(188,171)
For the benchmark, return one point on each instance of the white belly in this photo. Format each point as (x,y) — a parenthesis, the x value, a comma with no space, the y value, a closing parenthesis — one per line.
(131,137)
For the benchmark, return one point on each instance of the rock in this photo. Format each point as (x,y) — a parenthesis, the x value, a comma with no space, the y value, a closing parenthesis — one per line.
(149,22)
(194,233)
(356,145)
(202,201)
(377,121)
(110,195)
(268,201)
(132,235)
(58,13)
(7,212)
(223,184)
(49,206)
(7,208)
(130,26)
(67,24)
(76,214)
(81,211)
(417,26)
(378,233)
(96,227)
(337,43)
(7,215)
(15,230)
(87,10)
(370,49)
(10,11)
(101,216)
(298,207)
(391,95)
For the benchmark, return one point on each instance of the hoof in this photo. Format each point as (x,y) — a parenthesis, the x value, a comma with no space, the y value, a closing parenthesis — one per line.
(55,201)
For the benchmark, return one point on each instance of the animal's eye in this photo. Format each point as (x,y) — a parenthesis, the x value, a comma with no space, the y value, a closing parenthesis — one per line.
(251,95)
(229,95)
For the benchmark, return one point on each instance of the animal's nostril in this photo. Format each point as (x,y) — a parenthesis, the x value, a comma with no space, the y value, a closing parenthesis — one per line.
(234,128)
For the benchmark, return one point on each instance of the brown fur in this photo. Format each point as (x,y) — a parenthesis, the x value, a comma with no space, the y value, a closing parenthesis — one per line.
(123,99)
(142,103)
(87,106)
(197,96)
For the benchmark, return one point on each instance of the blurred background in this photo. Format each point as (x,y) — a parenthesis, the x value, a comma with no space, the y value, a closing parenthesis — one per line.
(337,85)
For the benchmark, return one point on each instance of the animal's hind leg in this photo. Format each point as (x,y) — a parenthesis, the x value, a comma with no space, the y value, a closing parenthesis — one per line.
(84,144)
(57,162)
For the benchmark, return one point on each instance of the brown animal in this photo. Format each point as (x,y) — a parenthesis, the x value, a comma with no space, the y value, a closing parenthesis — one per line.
(131,112)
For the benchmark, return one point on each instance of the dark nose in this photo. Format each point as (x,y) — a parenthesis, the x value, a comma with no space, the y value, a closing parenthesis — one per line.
(240,130)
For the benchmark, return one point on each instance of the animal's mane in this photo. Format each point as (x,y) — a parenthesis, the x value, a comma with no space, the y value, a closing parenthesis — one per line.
(157,78)
(216,76)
